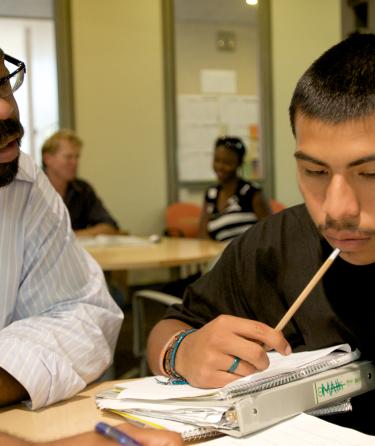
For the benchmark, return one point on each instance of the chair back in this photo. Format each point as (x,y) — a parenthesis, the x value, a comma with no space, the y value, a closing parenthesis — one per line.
(276,206)
(182,220)
(140,326)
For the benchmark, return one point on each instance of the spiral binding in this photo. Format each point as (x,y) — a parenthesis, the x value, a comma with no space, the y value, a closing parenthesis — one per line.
(333,409)
(201,433)
(329,362)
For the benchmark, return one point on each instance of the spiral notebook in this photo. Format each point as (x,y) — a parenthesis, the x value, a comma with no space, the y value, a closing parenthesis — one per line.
(189,432)
(210,409)
(341,355)
(282,369)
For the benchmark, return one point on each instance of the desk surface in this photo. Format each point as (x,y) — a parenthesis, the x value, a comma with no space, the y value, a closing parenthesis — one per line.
(77,415)
(167,253)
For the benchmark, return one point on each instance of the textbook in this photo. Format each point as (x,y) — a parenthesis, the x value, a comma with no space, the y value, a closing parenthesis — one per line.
(291,385)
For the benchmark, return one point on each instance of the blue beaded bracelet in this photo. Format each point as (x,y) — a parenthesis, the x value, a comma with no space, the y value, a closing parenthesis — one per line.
(176,378)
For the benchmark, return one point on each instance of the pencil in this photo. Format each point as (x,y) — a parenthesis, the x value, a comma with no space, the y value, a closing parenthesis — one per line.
(309,287)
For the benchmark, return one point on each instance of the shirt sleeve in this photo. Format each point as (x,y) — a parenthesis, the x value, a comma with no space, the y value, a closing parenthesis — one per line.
(220,291)
(64,326)
(96,211)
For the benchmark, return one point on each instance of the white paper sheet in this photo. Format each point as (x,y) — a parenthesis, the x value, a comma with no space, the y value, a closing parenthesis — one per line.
(218,81)
(302,430)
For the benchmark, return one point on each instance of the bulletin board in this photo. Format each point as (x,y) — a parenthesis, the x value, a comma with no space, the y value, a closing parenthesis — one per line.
(202,119)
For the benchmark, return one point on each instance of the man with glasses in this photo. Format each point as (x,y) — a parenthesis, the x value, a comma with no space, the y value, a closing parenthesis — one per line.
(58,324)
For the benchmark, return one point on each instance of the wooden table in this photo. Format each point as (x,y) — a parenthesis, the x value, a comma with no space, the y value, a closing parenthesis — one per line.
(74,416)
(169,252)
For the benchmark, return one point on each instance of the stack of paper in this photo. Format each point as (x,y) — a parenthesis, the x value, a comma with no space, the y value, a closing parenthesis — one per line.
(112,240)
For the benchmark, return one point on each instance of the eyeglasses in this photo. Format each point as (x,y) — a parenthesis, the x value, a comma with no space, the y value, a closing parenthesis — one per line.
(12,82)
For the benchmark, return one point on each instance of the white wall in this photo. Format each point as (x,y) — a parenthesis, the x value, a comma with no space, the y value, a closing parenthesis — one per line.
(300,31)
(119,104)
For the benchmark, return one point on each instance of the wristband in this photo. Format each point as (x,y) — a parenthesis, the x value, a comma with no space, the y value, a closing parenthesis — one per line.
(164,352)
(170,357)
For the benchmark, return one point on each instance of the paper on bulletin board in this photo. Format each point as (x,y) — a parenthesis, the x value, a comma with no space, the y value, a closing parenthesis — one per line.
(198,108)
(195,165)
(218,81)
(201,120)
(238,109)
(195,143)
(197,136)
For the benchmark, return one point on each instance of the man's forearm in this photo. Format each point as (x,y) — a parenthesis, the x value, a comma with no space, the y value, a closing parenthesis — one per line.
(100,228)
(146,437)
(8,440)
(158,339)
(11,391)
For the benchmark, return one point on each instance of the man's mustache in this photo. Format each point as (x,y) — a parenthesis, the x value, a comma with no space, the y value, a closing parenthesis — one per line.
(9,128)
(345,225)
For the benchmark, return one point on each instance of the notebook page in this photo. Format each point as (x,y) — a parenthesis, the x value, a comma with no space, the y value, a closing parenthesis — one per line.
(303,430)
(282,364)
(150,388)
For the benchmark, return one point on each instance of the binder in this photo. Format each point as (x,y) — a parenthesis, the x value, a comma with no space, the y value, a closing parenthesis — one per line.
(263,409)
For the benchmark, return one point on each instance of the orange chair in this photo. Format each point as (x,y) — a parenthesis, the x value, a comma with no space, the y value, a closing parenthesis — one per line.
(182,220)
(276,206)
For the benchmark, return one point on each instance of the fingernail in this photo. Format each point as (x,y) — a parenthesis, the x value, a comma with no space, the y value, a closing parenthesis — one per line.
(288,350)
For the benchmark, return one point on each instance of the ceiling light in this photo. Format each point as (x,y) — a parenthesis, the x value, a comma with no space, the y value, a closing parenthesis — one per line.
(252,2)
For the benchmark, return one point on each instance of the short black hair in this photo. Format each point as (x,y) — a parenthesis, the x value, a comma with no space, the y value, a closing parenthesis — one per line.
(232,143)
(340,84)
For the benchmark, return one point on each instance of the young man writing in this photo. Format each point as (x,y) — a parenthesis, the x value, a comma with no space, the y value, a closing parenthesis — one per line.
(234,307)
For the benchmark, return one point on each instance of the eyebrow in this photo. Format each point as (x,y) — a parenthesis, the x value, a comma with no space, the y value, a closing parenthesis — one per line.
(304,157)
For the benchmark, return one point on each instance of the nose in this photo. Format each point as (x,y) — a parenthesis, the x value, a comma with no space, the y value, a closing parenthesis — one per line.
(341,200)
(6,108)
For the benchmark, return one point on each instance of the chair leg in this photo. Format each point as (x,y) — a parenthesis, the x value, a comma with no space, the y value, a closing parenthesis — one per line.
(143,368)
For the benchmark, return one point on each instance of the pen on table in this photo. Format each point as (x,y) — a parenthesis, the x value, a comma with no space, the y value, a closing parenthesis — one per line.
(117,435)
(309,287)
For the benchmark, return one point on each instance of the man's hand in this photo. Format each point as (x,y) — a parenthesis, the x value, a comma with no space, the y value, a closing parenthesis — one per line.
(205,356)
(146,437)
(11,391)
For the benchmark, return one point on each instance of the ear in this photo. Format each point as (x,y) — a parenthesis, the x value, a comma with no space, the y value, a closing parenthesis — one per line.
(47,157)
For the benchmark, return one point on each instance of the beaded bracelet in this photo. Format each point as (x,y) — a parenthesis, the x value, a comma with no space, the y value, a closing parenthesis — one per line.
(170,357)
(167,354)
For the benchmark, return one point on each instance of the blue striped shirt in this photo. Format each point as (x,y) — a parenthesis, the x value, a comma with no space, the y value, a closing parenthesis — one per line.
(58,323)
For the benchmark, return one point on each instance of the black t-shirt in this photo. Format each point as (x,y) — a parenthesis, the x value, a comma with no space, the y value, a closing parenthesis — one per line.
(85,207)
(261,273)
